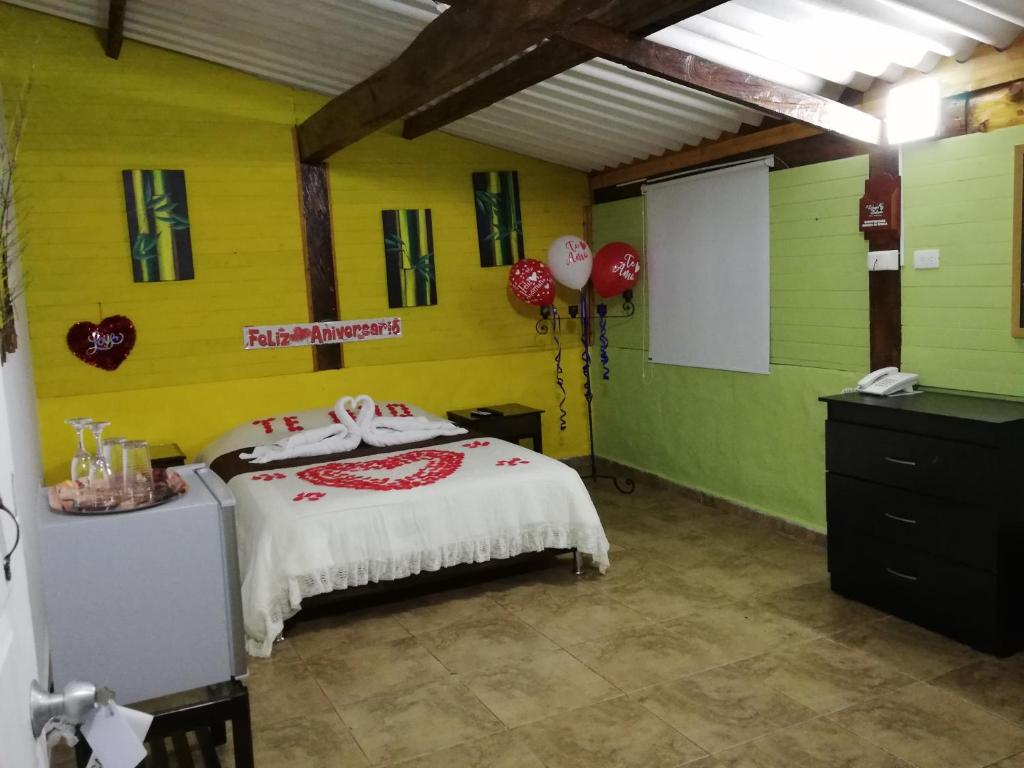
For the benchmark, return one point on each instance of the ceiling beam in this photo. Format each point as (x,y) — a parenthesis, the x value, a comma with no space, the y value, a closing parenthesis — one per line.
(987,68)
(462,43)
(725,82)
(706,153)
(641,17)
(115,28)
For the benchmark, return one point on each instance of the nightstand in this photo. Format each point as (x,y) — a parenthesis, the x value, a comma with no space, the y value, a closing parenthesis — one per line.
(513,422)
(166,455)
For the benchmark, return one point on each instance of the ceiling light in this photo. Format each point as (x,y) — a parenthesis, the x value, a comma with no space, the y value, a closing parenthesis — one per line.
(913,111)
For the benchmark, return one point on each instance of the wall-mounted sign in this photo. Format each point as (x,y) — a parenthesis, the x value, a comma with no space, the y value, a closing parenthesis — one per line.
(105,344)
(880,206)
(310,334)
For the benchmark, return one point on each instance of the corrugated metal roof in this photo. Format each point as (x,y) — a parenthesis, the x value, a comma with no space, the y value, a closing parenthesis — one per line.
(598,114)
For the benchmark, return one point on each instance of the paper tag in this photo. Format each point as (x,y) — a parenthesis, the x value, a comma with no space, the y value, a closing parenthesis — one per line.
(112,733)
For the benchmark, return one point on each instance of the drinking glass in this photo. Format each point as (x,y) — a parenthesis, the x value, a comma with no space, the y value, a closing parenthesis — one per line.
(81,462)
(138,473)
(113,453)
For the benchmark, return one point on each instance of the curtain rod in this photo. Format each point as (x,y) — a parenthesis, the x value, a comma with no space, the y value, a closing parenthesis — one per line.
(768,159)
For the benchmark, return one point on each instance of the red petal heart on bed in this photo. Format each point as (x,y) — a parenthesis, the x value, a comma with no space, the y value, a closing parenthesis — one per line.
(435,465)
(105,345)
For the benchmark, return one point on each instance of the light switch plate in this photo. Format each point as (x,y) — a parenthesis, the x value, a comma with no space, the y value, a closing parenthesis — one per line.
(880,261)
(926,259)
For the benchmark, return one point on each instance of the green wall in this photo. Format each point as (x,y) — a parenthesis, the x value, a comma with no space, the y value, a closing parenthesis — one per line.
(959,198)
(759,440)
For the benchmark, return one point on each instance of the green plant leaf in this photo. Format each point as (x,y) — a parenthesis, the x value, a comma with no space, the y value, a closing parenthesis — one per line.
(487,201)
(145,246)
(424,265)
(394,243)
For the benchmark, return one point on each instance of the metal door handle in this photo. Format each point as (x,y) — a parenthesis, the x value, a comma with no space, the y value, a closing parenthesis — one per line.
(74,703)
(899,575)
(901,462)
(898,519)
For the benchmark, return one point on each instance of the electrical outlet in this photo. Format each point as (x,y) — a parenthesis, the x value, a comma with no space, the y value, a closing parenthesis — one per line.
(879,261)
(927,259)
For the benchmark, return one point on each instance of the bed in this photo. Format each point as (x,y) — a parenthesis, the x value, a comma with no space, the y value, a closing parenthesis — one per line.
(310,526)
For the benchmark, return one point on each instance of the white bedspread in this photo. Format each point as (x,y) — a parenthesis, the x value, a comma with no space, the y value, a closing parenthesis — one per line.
(326,526)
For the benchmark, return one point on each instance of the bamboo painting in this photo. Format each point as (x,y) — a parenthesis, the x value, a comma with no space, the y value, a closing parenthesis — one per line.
(499,222)
(158,225)
(409,258)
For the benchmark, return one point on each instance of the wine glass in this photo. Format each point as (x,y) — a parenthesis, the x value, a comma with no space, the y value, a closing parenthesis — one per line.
(81,462)
(101,476)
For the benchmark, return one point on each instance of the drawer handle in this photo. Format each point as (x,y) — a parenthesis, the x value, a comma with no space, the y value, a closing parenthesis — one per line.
(899,575)
(898,519)
(901,462)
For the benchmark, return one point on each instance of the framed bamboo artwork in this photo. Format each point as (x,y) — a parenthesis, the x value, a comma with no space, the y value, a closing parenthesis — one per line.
(158,225)
(409,258)
(1017,320)
(499,220)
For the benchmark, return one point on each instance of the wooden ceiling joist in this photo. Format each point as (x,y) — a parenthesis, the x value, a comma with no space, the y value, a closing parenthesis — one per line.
(692,157)
(642,17)
(115,28)
(462,43)
(718,80)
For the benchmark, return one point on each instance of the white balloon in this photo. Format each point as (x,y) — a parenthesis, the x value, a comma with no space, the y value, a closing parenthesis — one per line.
(570,261)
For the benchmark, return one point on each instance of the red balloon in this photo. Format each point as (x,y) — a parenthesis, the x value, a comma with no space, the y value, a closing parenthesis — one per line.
(616,269)
(532,282)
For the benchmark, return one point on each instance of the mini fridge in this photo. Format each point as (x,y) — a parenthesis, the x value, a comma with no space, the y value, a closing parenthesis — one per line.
(146,603)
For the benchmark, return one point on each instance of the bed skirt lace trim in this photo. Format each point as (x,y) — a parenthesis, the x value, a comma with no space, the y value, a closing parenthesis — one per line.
(591,541)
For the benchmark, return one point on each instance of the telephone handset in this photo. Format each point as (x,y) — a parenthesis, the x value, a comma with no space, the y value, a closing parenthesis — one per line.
(888,381)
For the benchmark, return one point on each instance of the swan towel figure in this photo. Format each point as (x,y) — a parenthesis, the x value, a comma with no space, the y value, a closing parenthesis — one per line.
(358,424)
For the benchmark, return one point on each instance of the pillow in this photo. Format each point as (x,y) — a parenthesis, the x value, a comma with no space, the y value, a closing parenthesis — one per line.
(270,429)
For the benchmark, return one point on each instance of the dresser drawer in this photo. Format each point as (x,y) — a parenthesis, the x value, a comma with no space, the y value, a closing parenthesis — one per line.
(953,599)
(926,465)
(950,529)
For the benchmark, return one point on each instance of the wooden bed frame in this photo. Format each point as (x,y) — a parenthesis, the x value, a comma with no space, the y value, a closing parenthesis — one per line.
(429,582)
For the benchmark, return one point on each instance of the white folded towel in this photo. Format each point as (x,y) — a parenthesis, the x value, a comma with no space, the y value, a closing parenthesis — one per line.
(335,438)
(386,431)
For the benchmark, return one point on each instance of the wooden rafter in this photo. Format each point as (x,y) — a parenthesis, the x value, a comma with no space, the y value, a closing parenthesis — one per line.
(115,28)
(725,82)
(642,17)
(707,153)
(459,45)
(987,68)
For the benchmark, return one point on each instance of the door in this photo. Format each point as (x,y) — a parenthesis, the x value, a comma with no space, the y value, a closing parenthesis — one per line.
(23,645)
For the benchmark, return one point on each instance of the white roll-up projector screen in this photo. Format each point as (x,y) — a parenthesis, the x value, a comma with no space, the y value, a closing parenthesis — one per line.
(708,273)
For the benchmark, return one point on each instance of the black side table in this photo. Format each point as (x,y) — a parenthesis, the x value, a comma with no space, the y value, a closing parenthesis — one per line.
(513,422)
(166,455)
(204,711)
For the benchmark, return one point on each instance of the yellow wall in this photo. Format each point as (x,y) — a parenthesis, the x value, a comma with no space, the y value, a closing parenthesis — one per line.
(187,379)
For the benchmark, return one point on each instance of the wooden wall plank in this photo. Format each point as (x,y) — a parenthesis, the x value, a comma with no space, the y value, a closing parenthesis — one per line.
(318,252)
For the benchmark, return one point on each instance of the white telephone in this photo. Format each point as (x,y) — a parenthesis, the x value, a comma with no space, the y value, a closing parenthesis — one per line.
(888,381)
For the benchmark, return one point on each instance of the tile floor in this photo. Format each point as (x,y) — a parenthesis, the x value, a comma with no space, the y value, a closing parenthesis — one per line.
(713,642)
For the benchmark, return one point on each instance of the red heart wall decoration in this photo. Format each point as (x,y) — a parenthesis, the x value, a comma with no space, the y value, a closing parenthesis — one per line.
(435,465)
(105,345)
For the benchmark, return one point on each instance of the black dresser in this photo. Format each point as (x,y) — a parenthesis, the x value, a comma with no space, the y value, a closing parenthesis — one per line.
(925,504)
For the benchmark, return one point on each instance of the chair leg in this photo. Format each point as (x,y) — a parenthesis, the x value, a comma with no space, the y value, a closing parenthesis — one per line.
(241,729)
(219,733)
